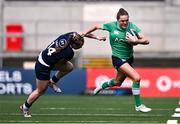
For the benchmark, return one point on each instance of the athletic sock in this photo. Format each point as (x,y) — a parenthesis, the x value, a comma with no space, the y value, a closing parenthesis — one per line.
(54,79)
(136,93)
(109,83)
(26,105)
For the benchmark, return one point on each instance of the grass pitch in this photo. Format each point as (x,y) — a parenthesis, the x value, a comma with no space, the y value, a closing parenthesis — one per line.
(88,109)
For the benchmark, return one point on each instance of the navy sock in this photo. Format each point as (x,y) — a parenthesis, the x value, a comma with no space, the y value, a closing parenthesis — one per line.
(54,79)
(27,105)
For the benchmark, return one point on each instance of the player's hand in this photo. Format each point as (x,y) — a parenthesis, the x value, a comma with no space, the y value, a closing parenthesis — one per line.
(131,39)
(82,34)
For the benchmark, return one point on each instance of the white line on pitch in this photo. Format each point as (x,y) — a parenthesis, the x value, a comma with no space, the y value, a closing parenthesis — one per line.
(172,122)
(83,114)
(63,108)
(176,115)
(108,109)
(77,122)
(177,109)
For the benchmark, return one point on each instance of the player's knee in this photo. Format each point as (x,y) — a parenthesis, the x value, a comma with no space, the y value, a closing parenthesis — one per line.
(136,78)
(117,83)
(70,67)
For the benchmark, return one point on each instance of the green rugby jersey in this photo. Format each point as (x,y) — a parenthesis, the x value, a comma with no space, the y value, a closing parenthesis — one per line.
(117,37)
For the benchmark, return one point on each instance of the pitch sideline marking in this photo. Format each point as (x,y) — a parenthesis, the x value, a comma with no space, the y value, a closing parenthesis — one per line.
(174,115)
(172,122)
(116,115)
(108,109)
(177,109)
(70,122)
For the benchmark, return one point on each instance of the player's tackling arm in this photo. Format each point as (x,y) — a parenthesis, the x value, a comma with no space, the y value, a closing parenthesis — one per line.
(89,34)
(92,29)
(95,37)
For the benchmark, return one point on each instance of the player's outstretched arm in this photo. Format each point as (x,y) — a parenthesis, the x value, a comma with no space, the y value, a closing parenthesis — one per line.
(92,29)
(89,34)
(95,37)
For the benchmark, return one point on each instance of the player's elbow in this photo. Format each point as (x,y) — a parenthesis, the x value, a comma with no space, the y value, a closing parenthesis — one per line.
(146,41)
(97,26)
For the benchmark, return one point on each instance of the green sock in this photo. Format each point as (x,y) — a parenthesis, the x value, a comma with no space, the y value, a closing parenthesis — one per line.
(109,83)
(136,93)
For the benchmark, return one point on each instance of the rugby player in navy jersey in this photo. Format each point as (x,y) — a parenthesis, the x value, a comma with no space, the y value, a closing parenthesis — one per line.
(55,57)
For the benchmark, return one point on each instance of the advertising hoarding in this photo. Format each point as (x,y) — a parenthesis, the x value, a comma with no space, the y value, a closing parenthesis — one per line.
(155,82)
(22,82)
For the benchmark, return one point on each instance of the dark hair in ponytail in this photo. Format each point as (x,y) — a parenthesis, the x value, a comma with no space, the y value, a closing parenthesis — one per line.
(121,12)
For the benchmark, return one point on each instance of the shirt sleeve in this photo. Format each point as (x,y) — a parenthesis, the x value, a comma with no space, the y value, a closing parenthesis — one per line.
(136,28)
(106,27)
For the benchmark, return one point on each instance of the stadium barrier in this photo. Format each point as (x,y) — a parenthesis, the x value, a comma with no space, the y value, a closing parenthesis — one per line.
(155,82)
(22,82)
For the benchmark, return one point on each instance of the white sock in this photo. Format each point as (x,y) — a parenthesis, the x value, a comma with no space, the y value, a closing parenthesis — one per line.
(24,107)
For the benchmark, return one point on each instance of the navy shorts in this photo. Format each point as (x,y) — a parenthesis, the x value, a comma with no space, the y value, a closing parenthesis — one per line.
(117,62)
(42,72)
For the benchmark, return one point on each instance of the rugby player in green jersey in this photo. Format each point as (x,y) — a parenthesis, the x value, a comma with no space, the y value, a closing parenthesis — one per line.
(123,35)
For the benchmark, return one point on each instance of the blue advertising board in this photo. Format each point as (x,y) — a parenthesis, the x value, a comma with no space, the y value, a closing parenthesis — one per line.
(17,81)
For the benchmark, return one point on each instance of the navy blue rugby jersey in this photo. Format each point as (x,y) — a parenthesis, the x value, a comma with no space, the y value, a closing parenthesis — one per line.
(51,55)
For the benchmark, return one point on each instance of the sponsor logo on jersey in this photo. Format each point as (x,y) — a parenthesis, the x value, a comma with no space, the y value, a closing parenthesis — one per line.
(62,43)
(116,32)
